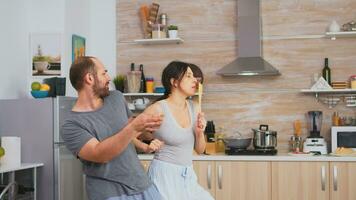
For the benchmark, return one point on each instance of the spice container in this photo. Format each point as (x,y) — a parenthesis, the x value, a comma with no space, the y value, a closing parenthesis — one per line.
(353,82)
(149,85)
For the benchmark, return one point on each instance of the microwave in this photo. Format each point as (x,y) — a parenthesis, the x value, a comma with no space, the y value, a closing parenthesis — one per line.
(343,136)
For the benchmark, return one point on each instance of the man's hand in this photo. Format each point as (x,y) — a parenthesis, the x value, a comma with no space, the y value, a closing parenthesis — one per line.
(146,123)
(155,145)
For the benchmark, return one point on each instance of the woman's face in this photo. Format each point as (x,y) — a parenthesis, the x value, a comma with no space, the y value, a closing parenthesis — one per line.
(188,84)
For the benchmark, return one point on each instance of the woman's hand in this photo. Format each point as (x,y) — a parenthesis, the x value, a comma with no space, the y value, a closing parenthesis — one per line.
(154,145)
(200,125)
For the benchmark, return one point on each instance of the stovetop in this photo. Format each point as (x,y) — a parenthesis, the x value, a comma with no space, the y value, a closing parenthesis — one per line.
(262,152)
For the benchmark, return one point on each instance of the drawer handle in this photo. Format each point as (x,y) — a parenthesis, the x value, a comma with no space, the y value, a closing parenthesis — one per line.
(220,174)
(209,176)
(335,178)
(323,178)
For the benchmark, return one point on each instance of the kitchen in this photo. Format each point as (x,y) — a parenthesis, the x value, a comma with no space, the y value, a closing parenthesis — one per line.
(293,42)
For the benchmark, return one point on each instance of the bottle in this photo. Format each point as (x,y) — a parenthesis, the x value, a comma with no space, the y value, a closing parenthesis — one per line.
(143,80)
(132,68)
(149,85)
(327,71)
(335,119)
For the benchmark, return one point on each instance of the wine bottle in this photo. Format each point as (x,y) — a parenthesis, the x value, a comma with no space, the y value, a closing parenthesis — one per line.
(143,80)
(132,68)
(327,71)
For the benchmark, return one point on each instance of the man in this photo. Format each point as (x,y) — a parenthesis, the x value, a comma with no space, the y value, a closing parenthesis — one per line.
(100,133)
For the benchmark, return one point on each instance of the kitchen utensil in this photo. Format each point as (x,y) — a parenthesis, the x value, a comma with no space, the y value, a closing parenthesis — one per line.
(314,123)
(200,93)
(334,26)
(314,143)
(240,143)
(264,138)
(297,127)
(144,14)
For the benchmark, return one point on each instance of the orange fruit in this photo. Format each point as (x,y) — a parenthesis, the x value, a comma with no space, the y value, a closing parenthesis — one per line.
(35,86)
(45,87)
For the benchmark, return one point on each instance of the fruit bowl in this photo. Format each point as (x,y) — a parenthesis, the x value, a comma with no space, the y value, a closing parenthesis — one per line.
(39,93)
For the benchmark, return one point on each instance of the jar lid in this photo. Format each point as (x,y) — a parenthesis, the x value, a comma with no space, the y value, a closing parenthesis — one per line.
(149,79)
(353,76)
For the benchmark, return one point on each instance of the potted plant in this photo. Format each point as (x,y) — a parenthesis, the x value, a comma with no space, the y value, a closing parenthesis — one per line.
(41,62)
(173,31)
(119,82)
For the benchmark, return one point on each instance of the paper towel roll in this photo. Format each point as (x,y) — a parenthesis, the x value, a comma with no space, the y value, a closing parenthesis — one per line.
(12,146)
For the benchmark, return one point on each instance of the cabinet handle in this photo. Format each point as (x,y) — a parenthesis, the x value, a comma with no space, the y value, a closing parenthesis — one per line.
(335,178)
(220,174)
(323,178)
(209,176)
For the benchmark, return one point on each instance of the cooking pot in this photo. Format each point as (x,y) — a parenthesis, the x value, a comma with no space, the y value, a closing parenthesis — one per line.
(264,138)
(237,141)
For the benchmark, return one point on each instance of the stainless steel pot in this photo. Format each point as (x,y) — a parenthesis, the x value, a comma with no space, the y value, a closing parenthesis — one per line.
(264,138)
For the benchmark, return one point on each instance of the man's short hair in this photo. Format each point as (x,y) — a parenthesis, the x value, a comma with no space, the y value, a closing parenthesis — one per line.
(79,68)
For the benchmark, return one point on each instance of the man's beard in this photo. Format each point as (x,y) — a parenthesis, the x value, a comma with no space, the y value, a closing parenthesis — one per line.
(100,92)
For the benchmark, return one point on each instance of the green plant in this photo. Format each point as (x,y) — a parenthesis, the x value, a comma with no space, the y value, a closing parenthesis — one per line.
(41,59)
(119,82)
(172,27)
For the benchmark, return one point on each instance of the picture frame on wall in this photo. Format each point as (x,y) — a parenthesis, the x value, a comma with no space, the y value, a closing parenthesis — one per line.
(46,54)
(78,47)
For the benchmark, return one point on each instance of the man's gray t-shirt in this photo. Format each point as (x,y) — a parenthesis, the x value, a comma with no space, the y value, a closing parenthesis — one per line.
(123,174)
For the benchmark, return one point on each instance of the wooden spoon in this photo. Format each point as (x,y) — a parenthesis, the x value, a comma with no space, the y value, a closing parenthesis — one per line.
(200,94)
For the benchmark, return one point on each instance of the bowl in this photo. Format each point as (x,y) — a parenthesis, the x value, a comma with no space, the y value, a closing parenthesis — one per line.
(140,106)
(39,94)
(159,90)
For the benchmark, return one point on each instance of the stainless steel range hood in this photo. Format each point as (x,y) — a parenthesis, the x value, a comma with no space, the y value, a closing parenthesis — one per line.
(250,61)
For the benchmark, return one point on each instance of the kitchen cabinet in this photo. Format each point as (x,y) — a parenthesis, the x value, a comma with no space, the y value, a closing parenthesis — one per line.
(343,180)
(300,180)
(235,180)
(206,173)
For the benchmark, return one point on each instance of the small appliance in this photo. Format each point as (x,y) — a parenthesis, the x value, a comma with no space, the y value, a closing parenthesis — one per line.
(315,143)
(343,136)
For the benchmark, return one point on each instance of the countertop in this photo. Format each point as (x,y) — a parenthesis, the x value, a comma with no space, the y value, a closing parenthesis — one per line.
(278,157)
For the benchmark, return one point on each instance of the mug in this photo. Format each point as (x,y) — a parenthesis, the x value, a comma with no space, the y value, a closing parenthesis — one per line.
(141,101)
(41,66)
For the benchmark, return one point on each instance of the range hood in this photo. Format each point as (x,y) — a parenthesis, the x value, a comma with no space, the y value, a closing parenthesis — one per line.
(250,61)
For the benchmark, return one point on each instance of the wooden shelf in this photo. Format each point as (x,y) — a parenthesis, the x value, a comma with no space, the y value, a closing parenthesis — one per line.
(335,91)
(146,94)
(334,35)
(160,41)
(143,94)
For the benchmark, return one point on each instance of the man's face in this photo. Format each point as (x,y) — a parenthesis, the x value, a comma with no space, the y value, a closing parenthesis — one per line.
(101,80)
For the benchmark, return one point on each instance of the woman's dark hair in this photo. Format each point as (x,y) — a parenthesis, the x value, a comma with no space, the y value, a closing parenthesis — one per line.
(176,70)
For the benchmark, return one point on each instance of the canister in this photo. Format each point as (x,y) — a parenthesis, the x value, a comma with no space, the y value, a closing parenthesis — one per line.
(149,85)
(353,81)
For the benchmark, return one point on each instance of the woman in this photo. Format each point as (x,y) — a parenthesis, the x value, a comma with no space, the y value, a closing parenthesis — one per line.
(182,130)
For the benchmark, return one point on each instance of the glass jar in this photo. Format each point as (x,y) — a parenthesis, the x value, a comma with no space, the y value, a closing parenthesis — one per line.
(133,81)
(219,143)
(353,82)
(158,31)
